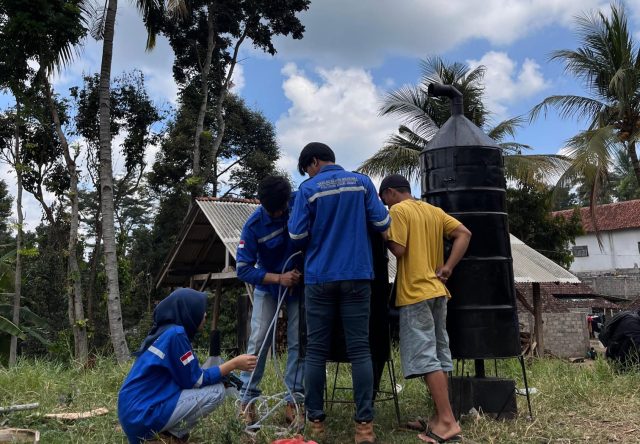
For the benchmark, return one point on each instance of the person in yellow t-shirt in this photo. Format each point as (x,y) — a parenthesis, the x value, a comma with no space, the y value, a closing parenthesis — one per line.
(416,239)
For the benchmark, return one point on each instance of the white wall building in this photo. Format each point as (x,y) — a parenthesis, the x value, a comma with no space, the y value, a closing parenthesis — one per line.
(619,226)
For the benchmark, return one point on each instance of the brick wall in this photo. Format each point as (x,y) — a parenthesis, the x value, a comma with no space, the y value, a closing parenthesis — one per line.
(622,283)
(565,334)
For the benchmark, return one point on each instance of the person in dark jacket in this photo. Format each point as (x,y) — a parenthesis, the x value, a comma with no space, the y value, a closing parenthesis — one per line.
(166,390)
(332,214)
(264,250)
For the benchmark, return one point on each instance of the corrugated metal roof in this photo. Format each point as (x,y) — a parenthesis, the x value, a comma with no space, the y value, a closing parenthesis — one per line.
(227,218)
(531,266)
(528,266)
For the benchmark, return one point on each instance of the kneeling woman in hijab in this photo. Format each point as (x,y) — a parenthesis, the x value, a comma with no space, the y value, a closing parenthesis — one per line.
(166,391)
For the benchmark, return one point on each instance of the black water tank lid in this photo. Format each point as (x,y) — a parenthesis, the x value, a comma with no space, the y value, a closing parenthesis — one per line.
(459,131)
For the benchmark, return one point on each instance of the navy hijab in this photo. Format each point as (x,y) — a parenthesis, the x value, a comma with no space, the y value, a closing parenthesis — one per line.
(185,307)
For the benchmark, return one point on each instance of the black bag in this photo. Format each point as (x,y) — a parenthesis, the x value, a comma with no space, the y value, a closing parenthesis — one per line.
(621,336)
(609,328)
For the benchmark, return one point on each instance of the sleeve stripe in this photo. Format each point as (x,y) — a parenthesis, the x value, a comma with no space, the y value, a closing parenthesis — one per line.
(270,236)
(336,191)
(298,236)
(241,264)
(156,351)
(383,222)
(199,381)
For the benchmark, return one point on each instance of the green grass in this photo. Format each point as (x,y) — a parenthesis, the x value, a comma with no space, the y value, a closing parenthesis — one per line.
(575,403)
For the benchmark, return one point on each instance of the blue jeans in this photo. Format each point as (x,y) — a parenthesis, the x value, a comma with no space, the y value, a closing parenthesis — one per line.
(193,404)
(324,303)
(264,309)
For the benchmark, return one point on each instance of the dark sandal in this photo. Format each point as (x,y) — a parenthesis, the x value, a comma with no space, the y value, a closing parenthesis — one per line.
(419,425)
(439,439)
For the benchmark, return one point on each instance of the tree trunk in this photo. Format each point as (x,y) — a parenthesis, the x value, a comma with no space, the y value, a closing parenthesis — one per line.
(538,325)
(633,155)
(13,349)
(204,91)
(215,146)
(93,272)
(114,309)
(74,279)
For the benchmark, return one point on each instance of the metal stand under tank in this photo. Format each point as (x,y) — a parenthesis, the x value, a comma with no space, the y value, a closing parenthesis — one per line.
(463,173)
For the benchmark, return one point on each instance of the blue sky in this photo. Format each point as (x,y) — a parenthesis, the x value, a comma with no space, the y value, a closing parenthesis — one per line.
(327,86)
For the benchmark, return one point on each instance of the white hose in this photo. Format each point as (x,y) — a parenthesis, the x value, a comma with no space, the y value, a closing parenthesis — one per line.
(262,402)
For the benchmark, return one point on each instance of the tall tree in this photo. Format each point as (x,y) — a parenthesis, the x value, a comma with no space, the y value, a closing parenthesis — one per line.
(6,202)
(132,115)
(422,116)
(206,42)
(106,31)
(47,31)
(11,154)
(608,64)
(248,153)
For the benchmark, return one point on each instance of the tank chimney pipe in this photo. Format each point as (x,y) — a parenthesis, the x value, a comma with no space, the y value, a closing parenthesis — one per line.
(438,90)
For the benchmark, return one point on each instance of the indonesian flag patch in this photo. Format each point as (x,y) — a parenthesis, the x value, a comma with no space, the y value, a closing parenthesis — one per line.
(241,244)
(186,358)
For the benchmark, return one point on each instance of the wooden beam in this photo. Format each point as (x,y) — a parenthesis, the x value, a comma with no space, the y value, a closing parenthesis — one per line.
(204,250)
(214,276)
(205,282)
(537,319)
(524,301)
(175,252)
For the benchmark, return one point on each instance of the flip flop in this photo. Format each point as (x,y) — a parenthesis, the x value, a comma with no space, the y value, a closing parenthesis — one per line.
(438,439)
(419,425)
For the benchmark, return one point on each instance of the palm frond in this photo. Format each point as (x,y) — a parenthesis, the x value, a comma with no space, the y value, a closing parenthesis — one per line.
(536,169)
(591,154)
(414,108)
(400,158)
(511,148)
(568,106)
(96,16)
(506,128)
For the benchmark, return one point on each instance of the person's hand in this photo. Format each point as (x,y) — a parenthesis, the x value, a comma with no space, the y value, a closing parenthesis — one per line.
(245,362)
(290,278)
(443,273)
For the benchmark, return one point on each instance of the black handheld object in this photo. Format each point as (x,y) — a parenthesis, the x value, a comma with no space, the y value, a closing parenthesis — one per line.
(214,343)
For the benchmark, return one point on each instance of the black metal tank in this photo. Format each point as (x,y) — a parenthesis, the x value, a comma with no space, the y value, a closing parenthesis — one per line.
(463,173)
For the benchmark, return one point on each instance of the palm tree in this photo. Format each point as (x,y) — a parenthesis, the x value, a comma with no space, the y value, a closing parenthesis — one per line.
(422,117)
(105,29)
(608,64)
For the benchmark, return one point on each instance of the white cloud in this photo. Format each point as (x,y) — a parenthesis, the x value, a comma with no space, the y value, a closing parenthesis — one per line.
(237,79)
(340,110)
(128,53)
(505,82)
(31,208)
(362,33)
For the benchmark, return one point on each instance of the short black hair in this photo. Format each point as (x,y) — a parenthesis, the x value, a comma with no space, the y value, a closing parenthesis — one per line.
(314,150)
(402,189)
(274,193)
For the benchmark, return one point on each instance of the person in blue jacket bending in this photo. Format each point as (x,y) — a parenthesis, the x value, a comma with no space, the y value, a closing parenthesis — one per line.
(166,391)
(330,219)
(262,253)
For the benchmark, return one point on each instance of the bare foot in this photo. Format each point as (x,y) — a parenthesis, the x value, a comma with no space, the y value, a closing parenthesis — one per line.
(445,430)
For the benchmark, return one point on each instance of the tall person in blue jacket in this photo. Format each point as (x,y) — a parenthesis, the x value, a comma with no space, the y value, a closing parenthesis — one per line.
(261,256)
(166,391)
(330,219)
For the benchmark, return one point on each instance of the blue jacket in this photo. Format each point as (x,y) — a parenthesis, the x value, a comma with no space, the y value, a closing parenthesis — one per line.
(330,219)
(150,392)
(264,241)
